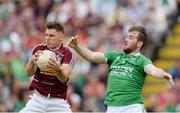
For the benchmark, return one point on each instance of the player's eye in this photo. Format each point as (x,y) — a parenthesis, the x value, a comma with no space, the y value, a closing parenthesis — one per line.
(131,37)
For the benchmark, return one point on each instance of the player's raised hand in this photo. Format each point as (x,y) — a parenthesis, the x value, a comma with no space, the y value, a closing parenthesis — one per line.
(73,41)
(168,77)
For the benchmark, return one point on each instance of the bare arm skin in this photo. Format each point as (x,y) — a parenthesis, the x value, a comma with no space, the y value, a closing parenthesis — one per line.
(158,73)
(96,57)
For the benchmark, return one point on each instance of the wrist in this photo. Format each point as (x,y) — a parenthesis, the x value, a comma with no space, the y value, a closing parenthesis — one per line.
(165,76)
(76,47)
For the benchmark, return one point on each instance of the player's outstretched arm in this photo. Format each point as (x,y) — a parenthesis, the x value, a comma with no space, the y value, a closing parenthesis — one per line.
(158,73)
(96,57)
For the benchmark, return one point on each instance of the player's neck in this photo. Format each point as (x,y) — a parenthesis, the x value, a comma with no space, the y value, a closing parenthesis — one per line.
(56,48)
(135,52)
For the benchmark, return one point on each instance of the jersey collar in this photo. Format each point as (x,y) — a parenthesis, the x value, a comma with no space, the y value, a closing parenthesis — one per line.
(56,48)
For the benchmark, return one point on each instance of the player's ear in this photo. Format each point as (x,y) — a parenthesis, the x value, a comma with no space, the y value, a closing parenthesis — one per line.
(140,43)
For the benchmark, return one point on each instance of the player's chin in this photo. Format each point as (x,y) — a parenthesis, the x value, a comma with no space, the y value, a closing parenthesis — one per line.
(51,46)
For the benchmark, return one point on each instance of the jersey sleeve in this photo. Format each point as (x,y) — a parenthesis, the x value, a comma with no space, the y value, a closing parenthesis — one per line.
(36,48)
(146,61)
(68,57)
(110,56)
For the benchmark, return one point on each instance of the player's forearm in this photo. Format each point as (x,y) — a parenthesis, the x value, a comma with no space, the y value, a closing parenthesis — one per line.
(30,68)
(158,73)
(96,57)
(62,76)
(84,52)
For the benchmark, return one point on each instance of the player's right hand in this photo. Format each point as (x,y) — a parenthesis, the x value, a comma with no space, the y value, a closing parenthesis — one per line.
(73,41)
(34,57)
(168,77)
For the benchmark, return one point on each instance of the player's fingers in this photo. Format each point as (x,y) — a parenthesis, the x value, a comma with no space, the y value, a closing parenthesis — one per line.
(49,66)
(55,62)
(51,61)
(38,52)
(170,79)
(76,37)
(75,40)
(171,82)
(70,40)
(34,57)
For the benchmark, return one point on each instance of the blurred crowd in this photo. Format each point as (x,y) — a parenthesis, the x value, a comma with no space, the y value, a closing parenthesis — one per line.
(101,25)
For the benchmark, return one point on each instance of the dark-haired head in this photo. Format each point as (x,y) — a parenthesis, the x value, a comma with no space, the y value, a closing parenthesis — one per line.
(54,34)
(142,34)
(55,25)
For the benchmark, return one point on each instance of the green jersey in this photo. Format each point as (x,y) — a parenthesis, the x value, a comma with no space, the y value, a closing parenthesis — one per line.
(125,79)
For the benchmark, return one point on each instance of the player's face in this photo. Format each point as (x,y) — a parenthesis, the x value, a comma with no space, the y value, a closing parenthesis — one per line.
(131,42)
(53,38)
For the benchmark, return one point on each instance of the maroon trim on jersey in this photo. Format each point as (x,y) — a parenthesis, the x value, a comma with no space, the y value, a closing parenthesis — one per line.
(48,84)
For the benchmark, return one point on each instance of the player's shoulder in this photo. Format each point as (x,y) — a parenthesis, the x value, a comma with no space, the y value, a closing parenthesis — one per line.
(112,52)
(66,49)
(40,46)
(143,57)
(37,47)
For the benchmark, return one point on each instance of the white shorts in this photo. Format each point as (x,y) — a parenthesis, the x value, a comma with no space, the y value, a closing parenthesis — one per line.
(134,108)
(40,103)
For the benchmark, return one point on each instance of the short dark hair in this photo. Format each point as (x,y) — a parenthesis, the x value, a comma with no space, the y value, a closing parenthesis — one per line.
(55,25)
(142,34)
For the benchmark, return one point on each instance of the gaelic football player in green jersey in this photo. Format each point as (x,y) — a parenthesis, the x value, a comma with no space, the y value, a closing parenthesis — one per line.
(127,71)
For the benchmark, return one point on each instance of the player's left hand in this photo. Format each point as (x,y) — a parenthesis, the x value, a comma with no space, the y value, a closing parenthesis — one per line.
(168,77)
(54,64)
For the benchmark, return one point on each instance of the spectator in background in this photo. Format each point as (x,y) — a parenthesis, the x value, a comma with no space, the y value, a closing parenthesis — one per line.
(175,70)
(178,11)
(4,95)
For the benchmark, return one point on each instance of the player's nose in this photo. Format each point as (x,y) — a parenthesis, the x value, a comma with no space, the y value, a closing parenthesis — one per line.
(126,40)
(47,38)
